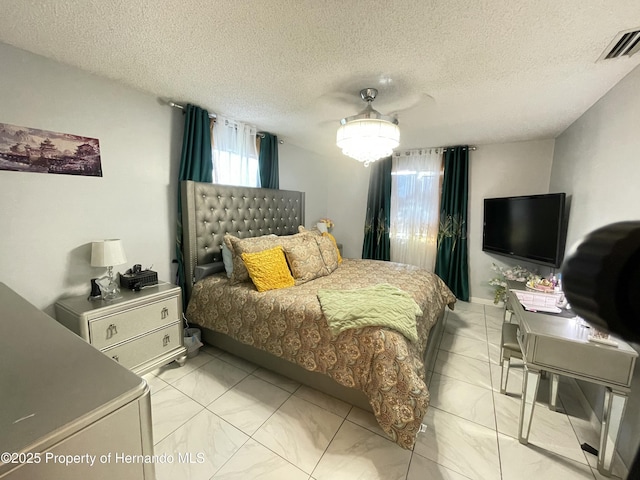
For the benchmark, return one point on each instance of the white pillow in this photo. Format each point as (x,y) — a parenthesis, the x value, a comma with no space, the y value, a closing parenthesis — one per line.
(227,259)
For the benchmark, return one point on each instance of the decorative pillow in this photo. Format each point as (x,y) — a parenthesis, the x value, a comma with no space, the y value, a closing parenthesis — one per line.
(327,234)
(268,269)
(238,246)
(305,260)
(313,231)
(227,259)
(328,251)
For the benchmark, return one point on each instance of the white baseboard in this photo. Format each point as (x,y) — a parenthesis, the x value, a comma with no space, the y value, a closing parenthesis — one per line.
(486,301)
(595,421)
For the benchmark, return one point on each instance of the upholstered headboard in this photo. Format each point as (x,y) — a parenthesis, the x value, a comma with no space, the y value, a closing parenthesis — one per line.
(209,211)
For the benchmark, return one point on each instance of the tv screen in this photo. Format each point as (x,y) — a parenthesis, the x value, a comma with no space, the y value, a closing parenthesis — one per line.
(529,228)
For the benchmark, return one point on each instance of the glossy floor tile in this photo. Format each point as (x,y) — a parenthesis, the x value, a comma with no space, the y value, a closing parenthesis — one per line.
(533,463)
(254,460)
(463,399)
(249,404)
(356,452)
(462,345)
(470,370)
(245,422)
(170,409)
(199,447)
(460,445)
(210,381)
(299,432)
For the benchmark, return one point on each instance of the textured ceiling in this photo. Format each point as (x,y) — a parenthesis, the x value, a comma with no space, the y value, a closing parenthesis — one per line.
(456,72)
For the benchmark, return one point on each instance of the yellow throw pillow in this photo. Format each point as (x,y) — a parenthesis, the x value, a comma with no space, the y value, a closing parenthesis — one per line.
(327,234)
(268,269)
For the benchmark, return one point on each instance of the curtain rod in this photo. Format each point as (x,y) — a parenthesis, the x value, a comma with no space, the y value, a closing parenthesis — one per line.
(181,107)
(406,152)
(214,116)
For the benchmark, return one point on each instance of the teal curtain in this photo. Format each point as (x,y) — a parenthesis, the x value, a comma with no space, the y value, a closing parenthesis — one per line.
(378,219)
(196,165)
(452,263)
(268,161)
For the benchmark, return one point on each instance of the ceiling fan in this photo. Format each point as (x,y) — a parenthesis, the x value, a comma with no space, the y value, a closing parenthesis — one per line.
(370,135)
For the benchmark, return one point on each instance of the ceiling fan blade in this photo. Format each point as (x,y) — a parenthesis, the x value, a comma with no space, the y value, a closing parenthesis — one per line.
(418,104)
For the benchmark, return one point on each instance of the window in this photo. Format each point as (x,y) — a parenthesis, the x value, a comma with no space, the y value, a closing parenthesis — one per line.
(235,156)
(415,207)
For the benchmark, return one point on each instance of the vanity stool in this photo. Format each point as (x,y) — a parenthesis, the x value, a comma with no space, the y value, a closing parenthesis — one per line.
(510,348)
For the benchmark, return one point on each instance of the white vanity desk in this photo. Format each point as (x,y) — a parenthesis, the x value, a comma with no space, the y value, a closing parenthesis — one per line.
(560,346)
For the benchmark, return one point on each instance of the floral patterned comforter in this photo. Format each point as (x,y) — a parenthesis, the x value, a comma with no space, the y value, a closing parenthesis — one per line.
(289,323)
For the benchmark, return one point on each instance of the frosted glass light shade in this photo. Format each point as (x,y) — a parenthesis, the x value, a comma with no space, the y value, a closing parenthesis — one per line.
(368,140)
(107,253)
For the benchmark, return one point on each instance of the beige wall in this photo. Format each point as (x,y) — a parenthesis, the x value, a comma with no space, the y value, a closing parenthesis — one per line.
(501,170)
(48,221)
(596,161)
(348,184)
(305,171)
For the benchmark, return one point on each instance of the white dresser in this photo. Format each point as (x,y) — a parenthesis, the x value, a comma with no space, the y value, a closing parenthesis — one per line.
(141,331)
(66,410)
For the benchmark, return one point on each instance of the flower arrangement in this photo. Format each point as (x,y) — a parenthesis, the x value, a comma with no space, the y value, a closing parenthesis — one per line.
(517,273)
(327,221)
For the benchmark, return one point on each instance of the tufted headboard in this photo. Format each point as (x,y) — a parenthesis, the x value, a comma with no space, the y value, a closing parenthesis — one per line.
(209,211)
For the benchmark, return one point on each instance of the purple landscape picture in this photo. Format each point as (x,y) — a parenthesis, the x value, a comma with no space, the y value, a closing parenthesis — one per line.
(24,149)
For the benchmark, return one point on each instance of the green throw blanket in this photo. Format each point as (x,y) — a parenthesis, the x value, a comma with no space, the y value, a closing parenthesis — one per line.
(381,305)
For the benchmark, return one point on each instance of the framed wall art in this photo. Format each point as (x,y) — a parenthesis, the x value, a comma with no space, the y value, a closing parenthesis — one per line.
(24,149)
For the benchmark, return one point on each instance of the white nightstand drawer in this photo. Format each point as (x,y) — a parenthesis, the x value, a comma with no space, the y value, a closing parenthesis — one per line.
(122,326)
(135,352)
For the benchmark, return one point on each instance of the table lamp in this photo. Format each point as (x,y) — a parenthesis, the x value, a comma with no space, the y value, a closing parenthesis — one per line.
(107,253)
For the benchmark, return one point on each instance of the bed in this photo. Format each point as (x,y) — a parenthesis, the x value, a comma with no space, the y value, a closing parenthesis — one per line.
(285,330)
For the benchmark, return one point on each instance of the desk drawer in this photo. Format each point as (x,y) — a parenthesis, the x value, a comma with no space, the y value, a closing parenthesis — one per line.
(140,350)
(122,326)
(597,363)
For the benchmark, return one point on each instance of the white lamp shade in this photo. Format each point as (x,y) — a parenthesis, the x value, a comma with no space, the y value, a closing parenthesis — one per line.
(107,253)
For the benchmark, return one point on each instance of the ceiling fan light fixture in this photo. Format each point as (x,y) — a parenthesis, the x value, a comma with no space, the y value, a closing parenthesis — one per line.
(368,136)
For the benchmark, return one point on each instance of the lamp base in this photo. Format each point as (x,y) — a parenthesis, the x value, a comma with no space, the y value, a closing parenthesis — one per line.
(111,296)
(109,289)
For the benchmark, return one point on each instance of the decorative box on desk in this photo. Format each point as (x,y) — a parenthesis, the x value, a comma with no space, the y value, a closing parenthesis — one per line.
(142,330)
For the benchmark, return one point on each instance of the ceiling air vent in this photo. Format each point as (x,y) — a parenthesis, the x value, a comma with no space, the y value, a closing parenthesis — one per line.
(626,43)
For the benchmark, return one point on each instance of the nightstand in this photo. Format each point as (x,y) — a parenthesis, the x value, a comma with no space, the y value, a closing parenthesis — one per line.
(142,330)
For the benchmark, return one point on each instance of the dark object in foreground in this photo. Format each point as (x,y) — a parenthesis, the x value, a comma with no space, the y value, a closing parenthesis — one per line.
(601,280)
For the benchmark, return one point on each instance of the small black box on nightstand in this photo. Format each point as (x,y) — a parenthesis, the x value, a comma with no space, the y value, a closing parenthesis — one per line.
(135,281)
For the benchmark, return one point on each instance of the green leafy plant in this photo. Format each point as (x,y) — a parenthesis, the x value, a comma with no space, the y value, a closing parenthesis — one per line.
(517,274)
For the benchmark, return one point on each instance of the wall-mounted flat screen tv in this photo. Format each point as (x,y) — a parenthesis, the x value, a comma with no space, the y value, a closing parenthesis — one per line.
(531,228)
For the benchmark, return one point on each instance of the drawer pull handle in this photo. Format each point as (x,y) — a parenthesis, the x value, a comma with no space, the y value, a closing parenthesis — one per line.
(111,331)
(166,340)
(164,313)
(116,358)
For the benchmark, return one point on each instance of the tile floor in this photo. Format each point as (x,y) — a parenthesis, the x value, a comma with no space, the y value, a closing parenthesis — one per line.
(239,421)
